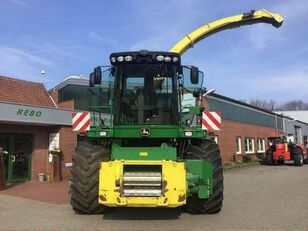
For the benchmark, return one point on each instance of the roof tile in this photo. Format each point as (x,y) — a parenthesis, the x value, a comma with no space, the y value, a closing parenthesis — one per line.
(24,92)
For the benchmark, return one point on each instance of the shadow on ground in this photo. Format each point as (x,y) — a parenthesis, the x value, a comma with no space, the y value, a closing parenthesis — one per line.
(143,213)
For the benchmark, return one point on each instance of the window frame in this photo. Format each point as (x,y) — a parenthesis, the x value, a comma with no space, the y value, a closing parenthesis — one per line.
(263,145)
(246,139)
(238,143)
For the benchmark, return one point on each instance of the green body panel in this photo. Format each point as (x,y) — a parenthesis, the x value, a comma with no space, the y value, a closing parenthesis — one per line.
(164,152)
(196,110)
(199,178)
(156,131)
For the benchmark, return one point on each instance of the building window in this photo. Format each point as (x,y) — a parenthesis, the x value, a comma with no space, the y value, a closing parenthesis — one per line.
(261,145)
(249,145)
(238,145)
(297,135)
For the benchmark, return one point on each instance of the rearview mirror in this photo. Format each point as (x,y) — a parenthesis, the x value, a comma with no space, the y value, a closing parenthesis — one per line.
(194,75)
(97,76)
(91,79)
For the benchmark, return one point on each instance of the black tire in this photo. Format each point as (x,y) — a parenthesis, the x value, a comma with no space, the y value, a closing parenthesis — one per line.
(85,176)
(269,158)
(306,159)
(207,150)
(298,157)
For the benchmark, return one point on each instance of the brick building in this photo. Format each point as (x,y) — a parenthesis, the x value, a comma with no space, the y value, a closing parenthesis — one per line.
(31,124)
(244,128)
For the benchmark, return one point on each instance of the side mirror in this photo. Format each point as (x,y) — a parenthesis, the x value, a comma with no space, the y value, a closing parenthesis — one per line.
(97,76)
(194,75)
(91,79)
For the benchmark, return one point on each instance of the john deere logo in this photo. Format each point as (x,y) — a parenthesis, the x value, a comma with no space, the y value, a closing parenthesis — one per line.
(145,131)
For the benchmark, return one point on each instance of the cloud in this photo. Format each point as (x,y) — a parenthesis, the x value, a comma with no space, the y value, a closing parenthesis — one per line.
(98,38)
(161,29)
(285,85)
(261,36)
(22,3)
(19,63)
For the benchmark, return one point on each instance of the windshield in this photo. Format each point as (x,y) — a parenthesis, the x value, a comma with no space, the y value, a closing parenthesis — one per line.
(146,94)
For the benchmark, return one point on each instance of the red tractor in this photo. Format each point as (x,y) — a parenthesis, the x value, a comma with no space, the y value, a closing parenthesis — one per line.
(282,148)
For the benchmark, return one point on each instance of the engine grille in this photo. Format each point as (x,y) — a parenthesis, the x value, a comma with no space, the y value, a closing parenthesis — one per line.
(142,184)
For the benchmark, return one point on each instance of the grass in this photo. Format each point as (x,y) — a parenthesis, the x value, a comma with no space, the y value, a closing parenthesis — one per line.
(240,164)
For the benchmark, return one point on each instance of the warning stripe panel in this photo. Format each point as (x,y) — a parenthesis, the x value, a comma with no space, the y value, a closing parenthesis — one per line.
(211,121)
(81,121)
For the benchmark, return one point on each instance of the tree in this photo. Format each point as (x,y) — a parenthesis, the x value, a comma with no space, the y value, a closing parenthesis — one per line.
(272,105)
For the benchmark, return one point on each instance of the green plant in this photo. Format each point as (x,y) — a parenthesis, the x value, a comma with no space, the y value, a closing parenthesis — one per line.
(246,158)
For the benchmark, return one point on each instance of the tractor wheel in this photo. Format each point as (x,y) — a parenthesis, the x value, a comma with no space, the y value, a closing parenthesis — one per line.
(84,176)
(306,159)
(269,158)
(298,157)
(207,150)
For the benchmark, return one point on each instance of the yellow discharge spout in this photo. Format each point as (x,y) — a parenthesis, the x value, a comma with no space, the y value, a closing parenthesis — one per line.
(253,17)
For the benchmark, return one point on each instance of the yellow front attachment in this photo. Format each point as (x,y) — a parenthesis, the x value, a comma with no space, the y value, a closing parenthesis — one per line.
(119,186)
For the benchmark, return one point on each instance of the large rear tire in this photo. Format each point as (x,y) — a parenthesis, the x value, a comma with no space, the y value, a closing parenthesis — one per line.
(85,176)
(298,157)
(207,150)
(269,158)
(306,159)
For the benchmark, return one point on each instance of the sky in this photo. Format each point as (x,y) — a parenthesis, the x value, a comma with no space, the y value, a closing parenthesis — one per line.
(73,36)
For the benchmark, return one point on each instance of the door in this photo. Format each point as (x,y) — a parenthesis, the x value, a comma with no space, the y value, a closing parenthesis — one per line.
(4,148)
(19,158)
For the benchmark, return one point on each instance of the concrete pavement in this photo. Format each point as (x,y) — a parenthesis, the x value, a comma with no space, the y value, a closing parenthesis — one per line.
(256,198)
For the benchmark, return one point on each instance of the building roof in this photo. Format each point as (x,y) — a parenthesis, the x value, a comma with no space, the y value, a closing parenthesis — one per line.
(71,80)
(215,95)
(24,92)
(296,115)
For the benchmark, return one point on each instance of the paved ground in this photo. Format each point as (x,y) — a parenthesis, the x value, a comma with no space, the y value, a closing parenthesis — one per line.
(56,193)
(256,198)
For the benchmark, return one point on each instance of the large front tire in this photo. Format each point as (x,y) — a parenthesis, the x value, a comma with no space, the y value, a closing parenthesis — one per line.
(85,176)
(207,150)
(298,157)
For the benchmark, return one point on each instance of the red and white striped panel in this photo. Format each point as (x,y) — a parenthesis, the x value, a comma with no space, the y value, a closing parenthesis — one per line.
(81,121)
(211,121)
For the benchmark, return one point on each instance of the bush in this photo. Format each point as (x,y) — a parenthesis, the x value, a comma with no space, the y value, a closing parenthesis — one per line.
(246,158)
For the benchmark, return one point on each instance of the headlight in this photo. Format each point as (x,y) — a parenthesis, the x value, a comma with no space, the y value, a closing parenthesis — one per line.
(167,59)
(160,58)
(113,59)
(175,59)
(103,133)
(120,59)
(128,58)
(188,134)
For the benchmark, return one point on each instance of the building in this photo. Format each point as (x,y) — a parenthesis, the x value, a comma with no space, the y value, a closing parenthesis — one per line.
(31,125)
(244,128)
(296,115)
